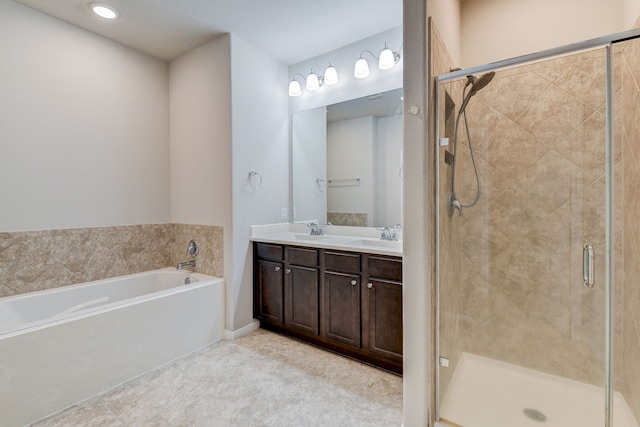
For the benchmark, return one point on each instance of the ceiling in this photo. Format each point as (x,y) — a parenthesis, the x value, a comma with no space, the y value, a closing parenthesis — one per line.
(289,30)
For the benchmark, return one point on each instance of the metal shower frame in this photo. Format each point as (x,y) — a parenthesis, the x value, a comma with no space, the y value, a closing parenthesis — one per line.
(599,42)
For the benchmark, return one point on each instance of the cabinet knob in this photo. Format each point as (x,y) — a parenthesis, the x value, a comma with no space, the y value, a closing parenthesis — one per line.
(277,268)
(288,270)
(353,283)
(369,285)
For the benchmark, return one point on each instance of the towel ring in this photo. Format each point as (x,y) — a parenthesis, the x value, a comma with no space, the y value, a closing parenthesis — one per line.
(255,180)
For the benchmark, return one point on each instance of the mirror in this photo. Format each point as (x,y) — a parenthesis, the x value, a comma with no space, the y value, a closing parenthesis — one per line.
(347,162)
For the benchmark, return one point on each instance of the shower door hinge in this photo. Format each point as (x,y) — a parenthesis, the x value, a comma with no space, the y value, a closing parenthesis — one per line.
(444,142)
(444,362)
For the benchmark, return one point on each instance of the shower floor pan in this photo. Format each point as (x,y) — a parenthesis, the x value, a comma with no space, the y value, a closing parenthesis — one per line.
(488,393)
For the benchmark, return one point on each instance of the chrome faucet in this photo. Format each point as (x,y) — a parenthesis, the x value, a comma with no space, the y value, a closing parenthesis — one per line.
(187,264)
(193,249)
(315,229)
(387,234)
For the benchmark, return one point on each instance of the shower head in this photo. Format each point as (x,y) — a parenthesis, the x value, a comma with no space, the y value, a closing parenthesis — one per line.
(479,82)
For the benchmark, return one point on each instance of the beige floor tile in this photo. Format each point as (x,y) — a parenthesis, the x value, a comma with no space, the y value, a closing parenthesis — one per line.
(261,380)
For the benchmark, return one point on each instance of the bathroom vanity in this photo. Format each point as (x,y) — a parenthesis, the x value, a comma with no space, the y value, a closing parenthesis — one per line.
(341,293)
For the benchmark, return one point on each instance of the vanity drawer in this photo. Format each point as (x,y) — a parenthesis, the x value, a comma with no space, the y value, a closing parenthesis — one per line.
(342,261)
(385,268)
(269,251)
(302,256)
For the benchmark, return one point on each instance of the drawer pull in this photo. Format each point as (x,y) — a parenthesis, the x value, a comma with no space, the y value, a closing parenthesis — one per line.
(353,283)
(277,268)
(369,285)
(288,270)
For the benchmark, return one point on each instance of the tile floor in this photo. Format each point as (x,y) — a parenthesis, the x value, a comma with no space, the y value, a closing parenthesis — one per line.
(262,379)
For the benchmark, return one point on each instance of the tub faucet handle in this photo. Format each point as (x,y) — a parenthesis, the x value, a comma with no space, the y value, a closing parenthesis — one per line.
(193,248)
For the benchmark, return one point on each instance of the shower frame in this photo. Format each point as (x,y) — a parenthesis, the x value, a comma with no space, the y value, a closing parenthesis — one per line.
(605,42)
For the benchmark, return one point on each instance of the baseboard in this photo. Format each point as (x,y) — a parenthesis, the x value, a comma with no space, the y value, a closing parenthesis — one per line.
(232,335)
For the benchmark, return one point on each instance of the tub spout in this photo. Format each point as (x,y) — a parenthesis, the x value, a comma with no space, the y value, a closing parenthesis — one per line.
(187,264)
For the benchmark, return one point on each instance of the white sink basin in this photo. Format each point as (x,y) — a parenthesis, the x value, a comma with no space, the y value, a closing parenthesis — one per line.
(375,243)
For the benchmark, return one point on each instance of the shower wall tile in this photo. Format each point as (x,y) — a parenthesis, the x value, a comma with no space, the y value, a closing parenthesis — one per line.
(512,94)
(505,153)
(37,260)
(484,132)
(585,81)
(553,115)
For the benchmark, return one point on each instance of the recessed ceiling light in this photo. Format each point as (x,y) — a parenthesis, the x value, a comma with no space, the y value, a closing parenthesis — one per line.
(104,10)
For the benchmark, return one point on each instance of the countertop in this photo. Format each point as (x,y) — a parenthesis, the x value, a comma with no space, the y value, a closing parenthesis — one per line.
(356,239)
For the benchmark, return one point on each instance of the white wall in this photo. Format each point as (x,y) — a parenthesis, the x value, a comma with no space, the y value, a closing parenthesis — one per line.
(348,86)
(352,153)
(309,149)
(200,92)
(631,13)
(84,134)
(446,14)
(260,132)
(493,30)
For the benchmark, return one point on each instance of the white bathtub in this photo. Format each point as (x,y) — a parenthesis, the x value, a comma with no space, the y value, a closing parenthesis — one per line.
(61,346)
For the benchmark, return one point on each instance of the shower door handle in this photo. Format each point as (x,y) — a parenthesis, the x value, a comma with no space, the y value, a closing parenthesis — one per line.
(587,264)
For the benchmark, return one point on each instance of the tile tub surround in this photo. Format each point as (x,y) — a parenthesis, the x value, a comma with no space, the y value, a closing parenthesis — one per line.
(262,379)
(36,260)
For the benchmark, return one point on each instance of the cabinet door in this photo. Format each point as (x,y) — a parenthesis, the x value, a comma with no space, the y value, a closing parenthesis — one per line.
(383,323)
(269,300)
(341,308)
(301,299)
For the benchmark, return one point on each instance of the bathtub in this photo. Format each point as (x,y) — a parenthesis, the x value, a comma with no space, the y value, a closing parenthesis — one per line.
(61,346)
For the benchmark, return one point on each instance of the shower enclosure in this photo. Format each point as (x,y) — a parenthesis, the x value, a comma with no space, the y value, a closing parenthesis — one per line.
(539,280)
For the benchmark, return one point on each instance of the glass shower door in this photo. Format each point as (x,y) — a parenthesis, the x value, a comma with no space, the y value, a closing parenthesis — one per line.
(522,290)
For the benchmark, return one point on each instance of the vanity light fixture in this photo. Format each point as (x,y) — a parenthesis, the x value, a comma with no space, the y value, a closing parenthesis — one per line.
(386,61)
(330,75)
(313,82)
(294,88)
(361,69)
(104,10)
(388,58)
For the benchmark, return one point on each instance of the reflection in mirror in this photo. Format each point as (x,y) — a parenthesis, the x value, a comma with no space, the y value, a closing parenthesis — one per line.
(347,162)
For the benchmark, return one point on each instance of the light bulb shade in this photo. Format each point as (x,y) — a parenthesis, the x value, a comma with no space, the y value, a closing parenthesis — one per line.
(387,59)
(294,88)
(331,75)
(312,82)
(104,10)
(361,69)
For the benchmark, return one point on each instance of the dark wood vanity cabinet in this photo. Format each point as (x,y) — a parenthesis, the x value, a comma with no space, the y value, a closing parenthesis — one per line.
(382,308)
(268,284)
(347,302)
(341,314)
(301,290)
